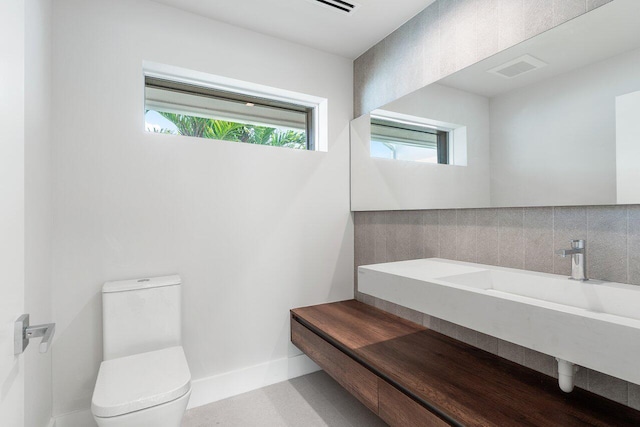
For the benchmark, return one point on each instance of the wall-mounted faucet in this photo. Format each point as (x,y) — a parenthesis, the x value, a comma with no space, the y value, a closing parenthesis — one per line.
(578,253)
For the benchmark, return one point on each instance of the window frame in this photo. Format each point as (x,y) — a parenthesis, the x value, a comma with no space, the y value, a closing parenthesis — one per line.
(318,111)
(442,136)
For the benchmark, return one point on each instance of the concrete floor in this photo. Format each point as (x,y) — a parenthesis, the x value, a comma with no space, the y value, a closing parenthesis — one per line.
(309,401)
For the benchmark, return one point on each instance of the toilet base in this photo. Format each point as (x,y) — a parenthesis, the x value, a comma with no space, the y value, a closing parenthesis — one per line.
(166,415)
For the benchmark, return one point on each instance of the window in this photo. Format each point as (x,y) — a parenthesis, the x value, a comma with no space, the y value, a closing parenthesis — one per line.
(186,109)
(401,140)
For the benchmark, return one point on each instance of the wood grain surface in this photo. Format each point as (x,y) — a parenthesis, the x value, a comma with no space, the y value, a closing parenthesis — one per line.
(355,378)
(463,384)
(399,410)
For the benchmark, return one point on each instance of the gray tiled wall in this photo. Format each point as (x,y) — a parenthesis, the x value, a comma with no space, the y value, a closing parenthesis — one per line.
(509,237)
(448,36)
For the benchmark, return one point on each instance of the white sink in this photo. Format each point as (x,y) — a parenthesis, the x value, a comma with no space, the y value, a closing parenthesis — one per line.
(593,324)
(593,295)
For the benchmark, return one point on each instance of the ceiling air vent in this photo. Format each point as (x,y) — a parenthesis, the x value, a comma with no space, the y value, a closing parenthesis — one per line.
(518,66)
(341,6)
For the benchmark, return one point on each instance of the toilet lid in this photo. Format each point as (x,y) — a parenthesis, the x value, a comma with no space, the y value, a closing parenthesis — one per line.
(137,382)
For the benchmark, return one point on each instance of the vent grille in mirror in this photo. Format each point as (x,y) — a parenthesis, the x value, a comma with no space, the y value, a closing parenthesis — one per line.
(518,66)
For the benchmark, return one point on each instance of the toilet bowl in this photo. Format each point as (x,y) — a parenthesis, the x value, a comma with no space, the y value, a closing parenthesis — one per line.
(144,379)
(168,414)
(147,389)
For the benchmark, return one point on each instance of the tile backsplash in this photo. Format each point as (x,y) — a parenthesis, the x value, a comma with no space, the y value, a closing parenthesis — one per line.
(508,237)
(524,238)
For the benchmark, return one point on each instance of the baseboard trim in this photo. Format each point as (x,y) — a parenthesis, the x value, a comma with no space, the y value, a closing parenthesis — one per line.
(75,419)
(218,387)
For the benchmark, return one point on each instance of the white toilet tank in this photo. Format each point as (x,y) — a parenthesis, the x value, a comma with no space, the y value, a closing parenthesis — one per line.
(141,315)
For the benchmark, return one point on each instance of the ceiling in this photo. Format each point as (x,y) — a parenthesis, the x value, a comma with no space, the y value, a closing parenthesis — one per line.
(595,36)
(308,23)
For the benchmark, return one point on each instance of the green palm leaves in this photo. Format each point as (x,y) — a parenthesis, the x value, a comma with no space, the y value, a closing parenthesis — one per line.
(239,132)
(289,139)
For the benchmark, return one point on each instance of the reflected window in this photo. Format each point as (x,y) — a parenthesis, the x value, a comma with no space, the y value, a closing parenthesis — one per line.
(399,140)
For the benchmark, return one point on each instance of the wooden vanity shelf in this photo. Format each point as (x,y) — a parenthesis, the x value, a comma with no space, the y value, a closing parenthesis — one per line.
(412,376)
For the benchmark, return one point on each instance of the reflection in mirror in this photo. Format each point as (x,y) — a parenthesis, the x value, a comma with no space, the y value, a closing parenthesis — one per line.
(409,138)
(553,121)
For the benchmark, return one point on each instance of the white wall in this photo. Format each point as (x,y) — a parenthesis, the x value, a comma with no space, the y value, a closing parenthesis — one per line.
(384,184)
(554,143)
(628,147)
(12,56)
(252,230)
(38,215)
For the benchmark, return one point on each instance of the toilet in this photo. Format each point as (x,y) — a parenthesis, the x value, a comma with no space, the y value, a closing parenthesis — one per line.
(144,379)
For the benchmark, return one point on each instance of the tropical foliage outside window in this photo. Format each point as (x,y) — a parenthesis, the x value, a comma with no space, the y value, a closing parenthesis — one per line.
(227,114)
(229,131)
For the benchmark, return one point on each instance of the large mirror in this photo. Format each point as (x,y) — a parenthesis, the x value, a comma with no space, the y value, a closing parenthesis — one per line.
(552,121)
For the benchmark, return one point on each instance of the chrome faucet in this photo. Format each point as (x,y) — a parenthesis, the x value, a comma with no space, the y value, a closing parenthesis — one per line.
(578,253)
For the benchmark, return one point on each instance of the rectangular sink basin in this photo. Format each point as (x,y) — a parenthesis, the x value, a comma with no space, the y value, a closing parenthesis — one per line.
(594,324)
(593,295)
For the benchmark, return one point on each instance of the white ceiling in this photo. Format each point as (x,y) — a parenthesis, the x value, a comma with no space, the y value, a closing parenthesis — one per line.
(600,34)
(308,23)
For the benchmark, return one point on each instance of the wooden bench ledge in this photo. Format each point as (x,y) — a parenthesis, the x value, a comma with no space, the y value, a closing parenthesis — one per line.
(457,384)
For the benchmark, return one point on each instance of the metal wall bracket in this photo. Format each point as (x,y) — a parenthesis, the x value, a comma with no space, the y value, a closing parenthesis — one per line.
(20,342)
(23,333)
